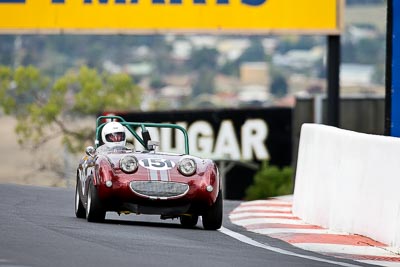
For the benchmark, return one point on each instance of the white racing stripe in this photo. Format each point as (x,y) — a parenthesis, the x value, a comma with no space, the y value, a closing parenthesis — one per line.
(249,241)
(153,175)
(164,175)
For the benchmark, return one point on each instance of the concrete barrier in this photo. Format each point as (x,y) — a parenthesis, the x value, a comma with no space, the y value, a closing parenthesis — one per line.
(350,182)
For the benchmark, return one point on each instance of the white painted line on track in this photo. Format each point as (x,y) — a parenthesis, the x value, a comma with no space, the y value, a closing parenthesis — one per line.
(381,263)
(249,241)
(260,208)
(259,215)
(271,231)
(266,202)
(394,250)
(345,249)
(249,222)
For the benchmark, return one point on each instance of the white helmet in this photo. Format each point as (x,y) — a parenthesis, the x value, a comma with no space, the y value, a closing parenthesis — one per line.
(113,134)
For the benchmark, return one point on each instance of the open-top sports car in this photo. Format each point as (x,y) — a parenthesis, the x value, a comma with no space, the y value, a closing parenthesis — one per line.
(113,177)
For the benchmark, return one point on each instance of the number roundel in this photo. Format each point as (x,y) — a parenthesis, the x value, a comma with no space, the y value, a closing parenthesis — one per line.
(157,164)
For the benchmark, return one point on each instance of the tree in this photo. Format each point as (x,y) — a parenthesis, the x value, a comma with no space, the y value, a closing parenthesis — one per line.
(204,83)
(157,82)
(44,109)
(255,52)
(270,181)
(370,51)
(204,58)
(230,68)
(6,49)
(279,86)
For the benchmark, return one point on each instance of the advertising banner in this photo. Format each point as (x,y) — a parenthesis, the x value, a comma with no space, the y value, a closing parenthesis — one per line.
(135,16)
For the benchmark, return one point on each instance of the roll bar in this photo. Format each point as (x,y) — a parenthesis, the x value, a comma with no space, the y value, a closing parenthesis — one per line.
(130,126)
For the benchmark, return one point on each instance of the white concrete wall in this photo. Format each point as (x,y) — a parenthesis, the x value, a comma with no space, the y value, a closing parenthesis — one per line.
(349,182)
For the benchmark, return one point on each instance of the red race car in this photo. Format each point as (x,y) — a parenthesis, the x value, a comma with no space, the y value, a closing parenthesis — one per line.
(114,177)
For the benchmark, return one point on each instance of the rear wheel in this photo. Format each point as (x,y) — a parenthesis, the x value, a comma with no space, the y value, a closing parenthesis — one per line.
(80,211)
(189,221)
(212,218)
(94,209)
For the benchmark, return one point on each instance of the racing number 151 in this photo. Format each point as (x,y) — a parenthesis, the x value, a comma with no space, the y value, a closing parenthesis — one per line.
(157,163)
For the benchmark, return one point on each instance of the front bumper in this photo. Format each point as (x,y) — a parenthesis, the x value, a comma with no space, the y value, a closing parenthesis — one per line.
(158,197)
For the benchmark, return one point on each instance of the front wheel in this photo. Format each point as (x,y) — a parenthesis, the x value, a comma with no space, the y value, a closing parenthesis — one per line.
(212,218)
(189,221)
(94,209)
(80,211)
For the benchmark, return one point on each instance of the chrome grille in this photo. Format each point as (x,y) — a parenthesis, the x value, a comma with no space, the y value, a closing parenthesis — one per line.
(159,189)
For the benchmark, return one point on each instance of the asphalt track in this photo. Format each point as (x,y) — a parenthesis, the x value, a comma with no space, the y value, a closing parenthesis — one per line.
(38,228)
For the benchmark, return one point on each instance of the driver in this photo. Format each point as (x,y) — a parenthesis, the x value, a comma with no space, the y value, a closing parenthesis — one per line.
(113,135)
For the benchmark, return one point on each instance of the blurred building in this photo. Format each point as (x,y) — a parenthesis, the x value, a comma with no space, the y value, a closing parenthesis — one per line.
(254,73)
(255,80)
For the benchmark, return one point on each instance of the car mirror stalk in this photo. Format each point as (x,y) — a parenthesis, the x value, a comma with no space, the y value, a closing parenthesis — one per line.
(152,145)
(90,151)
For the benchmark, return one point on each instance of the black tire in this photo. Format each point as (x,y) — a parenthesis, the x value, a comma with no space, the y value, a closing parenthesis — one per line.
(80,211)
(212,218)
(94,209)
(189,221)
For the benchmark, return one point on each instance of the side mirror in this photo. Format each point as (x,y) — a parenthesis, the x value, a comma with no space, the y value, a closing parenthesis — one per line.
(90,151)
(146,137)
(152,145)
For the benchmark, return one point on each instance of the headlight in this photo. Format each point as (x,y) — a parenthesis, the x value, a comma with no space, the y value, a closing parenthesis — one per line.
(128,164)
(187,166)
